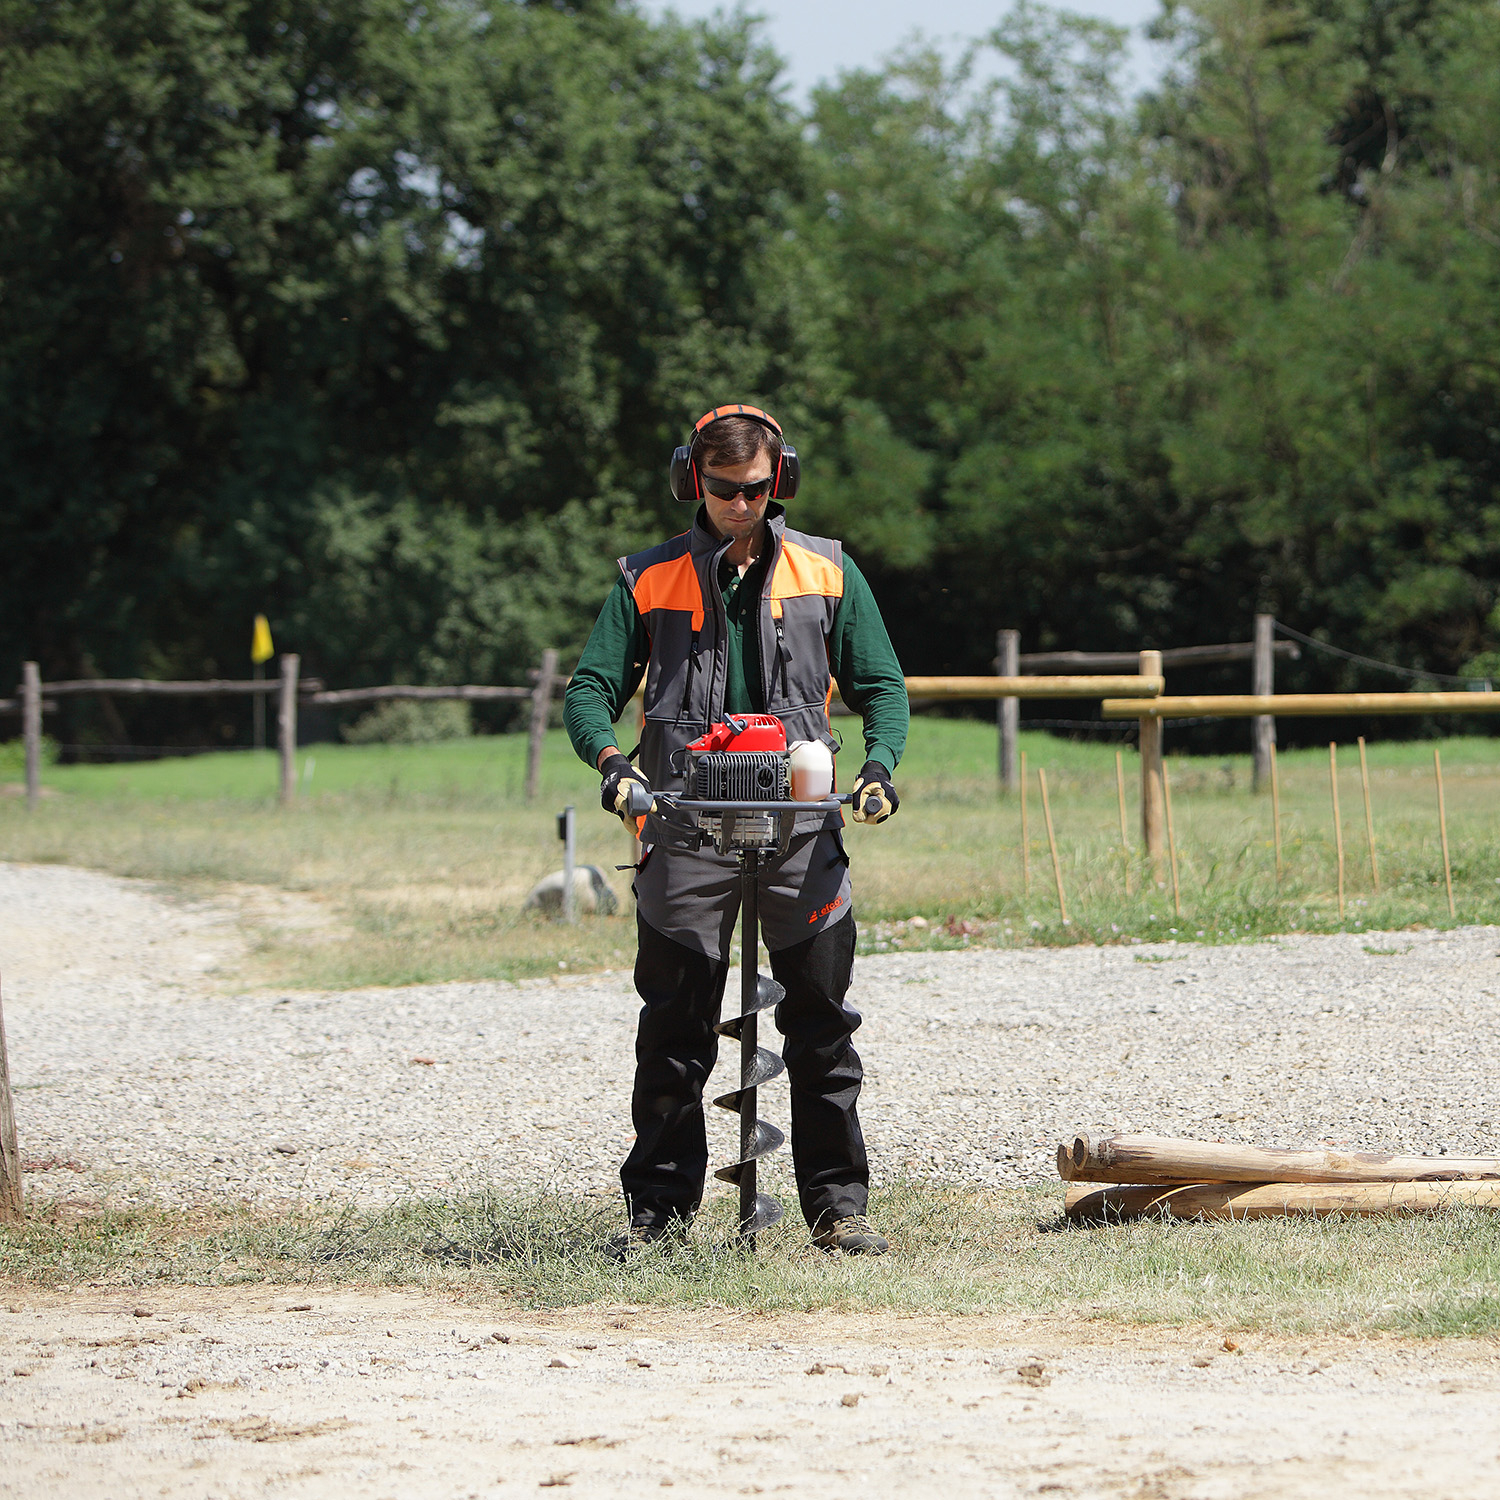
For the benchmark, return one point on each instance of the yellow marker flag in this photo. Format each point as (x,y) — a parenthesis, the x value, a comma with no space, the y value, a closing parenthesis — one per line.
(261,648)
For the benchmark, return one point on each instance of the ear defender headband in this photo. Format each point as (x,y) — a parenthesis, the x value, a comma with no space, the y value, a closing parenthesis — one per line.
(687,484)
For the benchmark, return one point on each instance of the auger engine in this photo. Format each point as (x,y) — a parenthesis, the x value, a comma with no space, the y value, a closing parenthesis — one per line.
(744,759)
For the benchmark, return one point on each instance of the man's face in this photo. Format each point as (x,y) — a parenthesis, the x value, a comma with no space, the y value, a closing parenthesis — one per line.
(737,517)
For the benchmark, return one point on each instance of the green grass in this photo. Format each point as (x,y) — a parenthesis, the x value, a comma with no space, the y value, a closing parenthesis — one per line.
(419,856)
(954,1252)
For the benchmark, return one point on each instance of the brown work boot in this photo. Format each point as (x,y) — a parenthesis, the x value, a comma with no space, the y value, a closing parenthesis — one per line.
(853,1235)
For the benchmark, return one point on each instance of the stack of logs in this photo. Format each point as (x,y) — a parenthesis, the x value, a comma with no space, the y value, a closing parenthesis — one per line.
(1139,1176)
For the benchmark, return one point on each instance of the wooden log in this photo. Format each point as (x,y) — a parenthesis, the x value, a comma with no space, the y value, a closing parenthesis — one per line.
(1153,814)
(1273,1200)
(1172,656)
(1033,687)
(286,726)
(1008,710)
(541,708)
(11,1197)
(31,730)
(1303,705)
(1169,1159)
(1263,684)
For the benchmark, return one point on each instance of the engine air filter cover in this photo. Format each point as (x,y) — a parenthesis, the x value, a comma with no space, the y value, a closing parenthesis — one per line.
(740,776)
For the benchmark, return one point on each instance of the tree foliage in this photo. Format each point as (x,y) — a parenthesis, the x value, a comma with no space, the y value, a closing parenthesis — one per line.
(381,318)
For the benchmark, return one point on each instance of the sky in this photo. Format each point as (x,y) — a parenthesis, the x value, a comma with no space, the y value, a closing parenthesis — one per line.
(821,38)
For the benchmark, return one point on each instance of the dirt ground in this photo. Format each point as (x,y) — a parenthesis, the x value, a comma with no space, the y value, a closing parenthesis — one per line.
(262,1392)
(229,1394)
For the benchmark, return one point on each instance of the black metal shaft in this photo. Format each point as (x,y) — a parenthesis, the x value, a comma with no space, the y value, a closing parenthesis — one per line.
(749,1034)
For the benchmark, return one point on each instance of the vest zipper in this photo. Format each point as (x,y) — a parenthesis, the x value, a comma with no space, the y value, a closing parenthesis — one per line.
(687,685)
(783,656)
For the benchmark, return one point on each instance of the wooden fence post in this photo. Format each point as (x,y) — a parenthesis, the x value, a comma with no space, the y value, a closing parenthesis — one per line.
(10,1152)
(31,729)
(1262,684)
(1153,813)
(541,709)
(286,727)
(1008,710)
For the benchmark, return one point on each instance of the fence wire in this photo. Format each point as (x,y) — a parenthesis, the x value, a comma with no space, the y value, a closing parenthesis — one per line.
(1412,674)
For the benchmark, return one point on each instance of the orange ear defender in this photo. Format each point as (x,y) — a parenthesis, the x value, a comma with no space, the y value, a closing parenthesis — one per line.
(686,482)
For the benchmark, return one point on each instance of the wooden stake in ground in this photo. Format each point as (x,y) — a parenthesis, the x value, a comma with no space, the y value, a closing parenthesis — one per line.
(31,729)
(1025,835)
(1160,1159)
(1437,766)
(286,726)
(1364,781)
(1062,901)
(10,1152)
(1166,794)
(1124,832)
(1276,809)
(1151,795)
(1008,710)
(1338,827)
(541,709)
(1274,1200)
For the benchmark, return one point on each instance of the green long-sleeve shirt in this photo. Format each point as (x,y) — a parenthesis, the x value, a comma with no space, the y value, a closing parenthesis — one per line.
(860,656)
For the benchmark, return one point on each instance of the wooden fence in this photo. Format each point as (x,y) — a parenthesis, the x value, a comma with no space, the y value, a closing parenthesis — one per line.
(1151,715)
(1139,696)
(1261,653)
(291,690)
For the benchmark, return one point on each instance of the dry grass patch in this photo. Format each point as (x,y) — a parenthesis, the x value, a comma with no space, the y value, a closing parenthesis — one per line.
(954,1252)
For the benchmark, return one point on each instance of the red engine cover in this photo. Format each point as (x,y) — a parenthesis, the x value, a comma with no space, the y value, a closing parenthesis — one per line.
(743,732)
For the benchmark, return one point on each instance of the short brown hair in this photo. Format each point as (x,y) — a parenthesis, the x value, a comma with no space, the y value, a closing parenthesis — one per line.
(732,441)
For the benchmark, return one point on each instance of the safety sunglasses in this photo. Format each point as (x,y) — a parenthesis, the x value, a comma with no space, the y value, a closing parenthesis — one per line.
(727,489)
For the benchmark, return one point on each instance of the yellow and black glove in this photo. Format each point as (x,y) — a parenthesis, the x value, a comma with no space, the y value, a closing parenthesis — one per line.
(875,798)
(614,793)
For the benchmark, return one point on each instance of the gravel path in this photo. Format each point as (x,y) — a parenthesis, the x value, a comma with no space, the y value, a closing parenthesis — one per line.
(139,1074)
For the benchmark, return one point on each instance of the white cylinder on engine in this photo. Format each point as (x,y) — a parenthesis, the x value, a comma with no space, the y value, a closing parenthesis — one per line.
(811,763)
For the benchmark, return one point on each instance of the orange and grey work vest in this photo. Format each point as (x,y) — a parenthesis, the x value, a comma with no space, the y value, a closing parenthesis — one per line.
(675,586)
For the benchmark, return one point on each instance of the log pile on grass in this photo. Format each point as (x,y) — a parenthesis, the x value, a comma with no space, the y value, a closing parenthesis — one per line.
(1120,1177)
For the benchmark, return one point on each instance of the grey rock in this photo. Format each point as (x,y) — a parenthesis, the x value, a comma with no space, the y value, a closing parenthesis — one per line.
(591,892)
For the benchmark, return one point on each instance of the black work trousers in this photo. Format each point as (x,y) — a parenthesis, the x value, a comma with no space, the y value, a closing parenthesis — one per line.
(676,1045)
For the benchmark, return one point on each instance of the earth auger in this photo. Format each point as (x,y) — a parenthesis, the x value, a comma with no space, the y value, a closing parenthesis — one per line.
(746,755)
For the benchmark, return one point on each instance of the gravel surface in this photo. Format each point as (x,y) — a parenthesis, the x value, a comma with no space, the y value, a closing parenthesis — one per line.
(140,1074)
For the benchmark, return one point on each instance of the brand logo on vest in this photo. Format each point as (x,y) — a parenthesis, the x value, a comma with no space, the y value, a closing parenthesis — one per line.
(833,905)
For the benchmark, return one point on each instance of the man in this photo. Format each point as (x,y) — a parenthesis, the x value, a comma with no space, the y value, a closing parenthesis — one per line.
(741,615)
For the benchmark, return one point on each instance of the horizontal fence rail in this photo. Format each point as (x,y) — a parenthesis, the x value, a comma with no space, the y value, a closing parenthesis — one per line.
(1300,705)
(465,692)
(1034,687)
(1171,656)
(211,687)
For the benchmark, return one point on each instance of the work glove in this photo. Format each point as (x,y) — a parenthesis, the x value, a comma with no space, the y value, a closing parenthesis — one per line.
(614,792)
(874,781)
